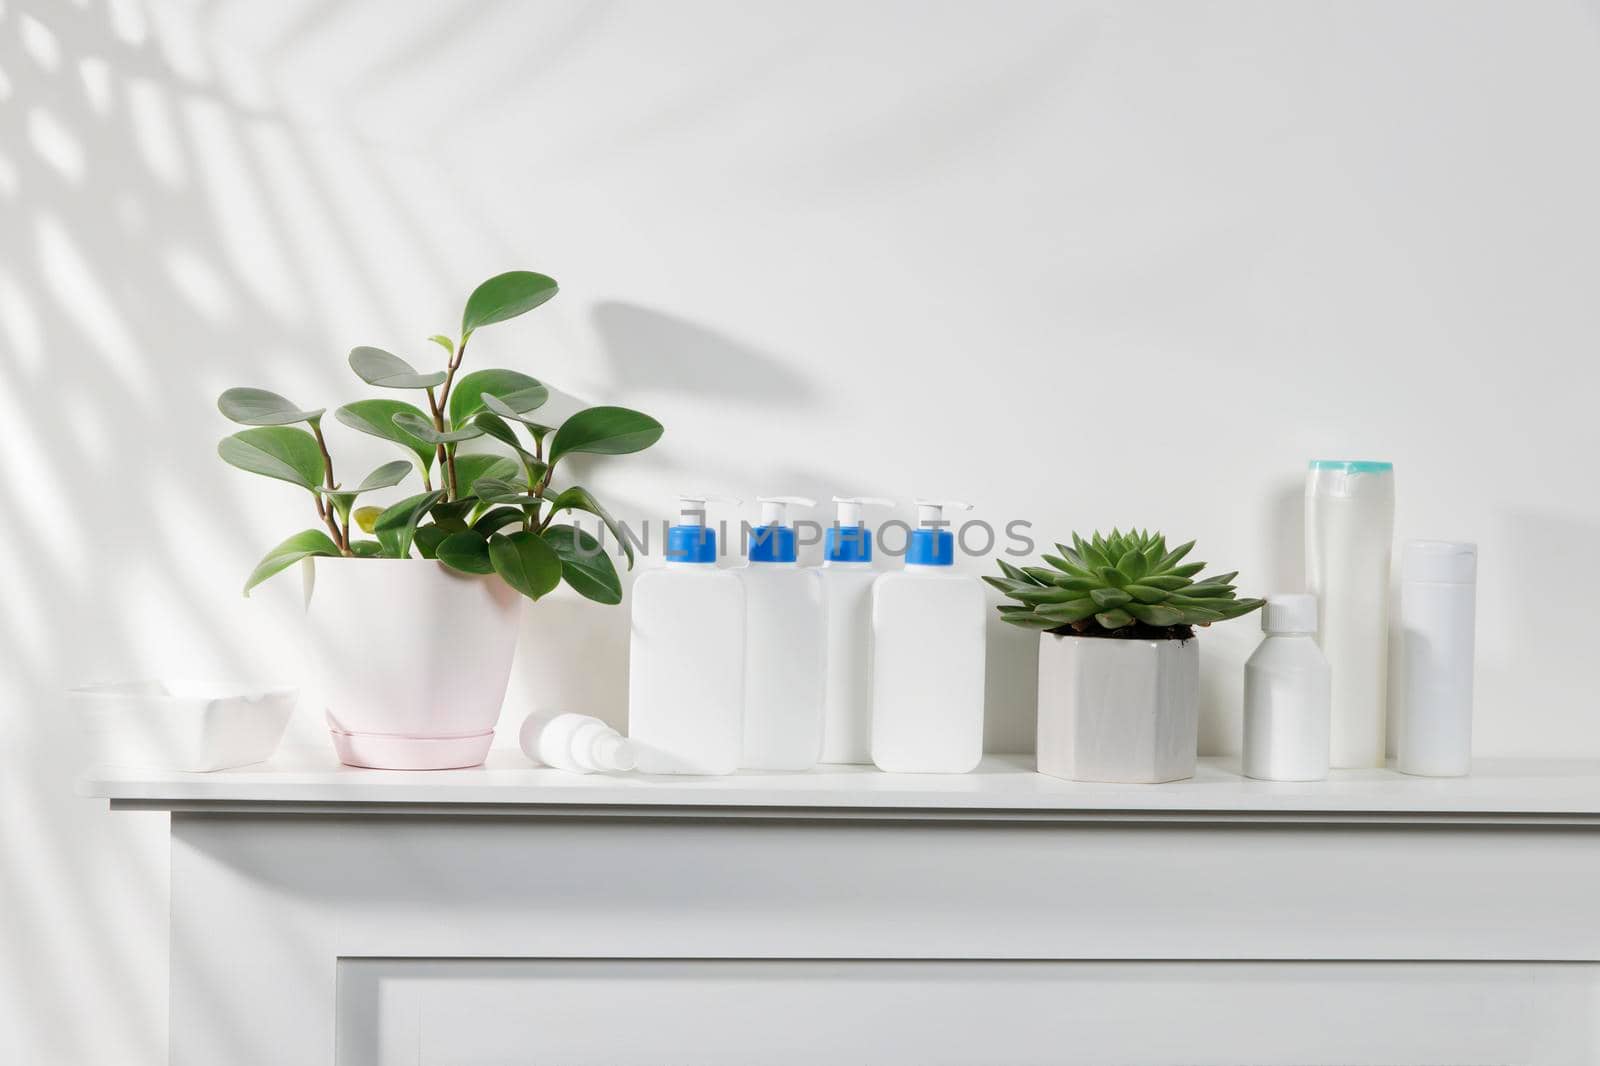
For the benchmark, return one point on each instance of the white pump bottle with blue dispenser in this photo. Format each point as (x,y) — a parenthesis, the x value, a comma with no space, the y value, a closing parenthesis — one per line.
(847,574)
(686,656)
(785,630)
(928,656)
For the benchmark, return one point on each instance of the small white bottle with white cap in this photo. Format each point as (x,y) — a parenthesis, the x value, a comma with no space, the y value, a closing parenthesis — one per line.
(1438,594)
(928,656)
(686,655)
(1288,695)
(577,743)
(847,575)
(785,650)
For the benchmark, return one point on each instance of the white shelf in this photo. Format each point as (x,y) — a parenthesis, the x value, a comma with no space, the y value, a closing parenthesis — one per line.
(1003,786)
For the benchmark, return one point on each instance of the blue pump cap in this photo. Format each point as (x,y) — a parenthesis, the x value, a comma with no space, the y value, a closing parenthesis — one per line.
(691,544)
(931,547)
(773,544)
(847,544)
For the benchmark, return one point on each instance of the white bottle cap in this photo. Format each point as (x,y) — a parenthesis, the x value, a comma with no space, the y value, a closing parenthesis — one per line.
(1290,613)
(1445,562)
(775,509)
(850,507)
(692,506)
(930,513)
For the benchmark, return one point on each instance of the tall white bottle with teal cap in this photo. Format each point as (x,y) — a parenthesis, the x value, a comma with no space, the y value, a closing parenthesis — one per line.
(847,575)
(928,656)
(785,630)
(686,657)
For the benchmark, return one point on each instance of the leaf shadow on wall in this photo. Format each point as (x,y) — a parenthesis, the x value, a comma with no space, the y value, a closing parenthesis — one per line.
(656,351)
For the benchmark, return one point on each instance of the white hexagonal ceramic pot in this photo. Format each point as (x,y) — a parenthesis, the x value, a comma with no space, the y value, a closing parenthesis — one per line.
(1118,710)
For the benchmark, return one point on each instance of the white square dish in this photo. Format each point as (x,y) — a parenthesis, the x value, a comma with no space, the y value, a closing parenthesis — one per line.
(181,725)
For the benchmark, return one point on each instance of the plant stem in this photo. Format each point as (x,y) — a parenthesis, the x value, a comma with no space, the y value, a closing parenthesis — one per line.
(342,539)
(450,372)
(436,408)
(333,527)
(450,471)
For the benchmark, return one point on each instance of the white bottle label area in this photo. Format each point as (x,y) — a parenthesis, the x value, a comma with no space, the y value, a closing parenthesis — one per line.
(784,667)
(847,700)
(686,671)
(1286,711)
(927,672)
(1348,542)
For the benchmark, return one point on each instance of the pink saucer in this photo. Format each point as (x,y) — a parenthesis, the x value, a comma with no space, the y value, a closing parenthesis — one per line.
(380,751)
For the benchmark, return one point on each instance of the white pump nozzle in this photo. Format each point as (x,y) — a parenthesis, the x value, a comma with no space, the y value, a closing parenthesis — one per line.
(692,507)
(850,507)
(930,513)
(774,509)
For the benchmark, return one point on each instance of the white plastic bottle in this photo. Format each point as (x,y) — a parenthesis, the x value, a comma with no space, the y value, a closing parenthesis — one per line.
(784,646)
(577,743)
(1438,594)
(928,656)
(847,575)
(1349,535)
(1287,695)
(686,656)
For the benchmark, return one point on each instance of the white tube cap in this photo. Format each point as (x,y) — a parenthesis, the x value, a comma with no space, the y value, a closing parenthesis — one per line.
(612,752)
(1444,562)
(1290,614)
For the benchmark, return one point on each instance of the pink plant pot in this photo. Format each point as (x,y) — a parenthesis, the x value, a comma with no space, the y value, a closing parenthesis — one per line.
(412,659)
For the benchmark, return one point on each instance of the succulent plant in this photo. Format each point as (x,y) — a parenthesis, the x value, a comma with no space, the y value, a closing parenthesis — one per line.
(1127,584)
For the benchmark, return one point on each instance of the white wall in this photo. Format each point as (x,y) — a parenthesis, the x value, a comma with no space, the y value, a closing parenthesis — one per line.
(1087,264)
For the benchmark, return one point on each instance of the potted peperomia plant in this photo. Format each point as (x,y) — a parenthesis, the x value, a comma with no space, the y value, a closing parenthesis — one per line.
(1119,668)
(415,624)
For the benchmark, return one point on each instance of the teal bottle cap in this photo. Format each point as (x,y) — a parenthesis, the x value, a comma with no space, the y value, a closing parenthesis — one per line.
(1352,466)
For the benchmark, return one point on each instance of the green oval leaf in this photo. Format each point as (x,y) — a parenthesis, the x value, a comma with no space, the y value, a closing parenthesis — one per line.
(495,426)
(396,527)
(377,418)
(578,498)
(306,542)
(420,427)
(525,562)
(469,468)
(497,519)
(428,539)
(367,518)
(280,452)
(605,431)
(258,407)
(537,430)
(386,476)
(387,370)
(493,490)
(467,552)
(512,390)
(366,549)
(584,564)
(505,296)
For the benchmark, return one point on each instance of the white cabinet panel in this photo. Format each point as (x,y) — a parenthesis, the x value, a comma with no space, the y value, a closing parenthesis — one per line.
(633,1012)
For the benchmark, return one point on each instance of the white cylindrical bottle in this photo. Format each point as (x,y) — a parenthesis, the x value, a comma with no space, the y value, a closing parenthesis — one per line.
(928,657)
(577,743)
(847,575)
(1438,606)
(686,656)
(1287,690)
(1349,534)
(785,651)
